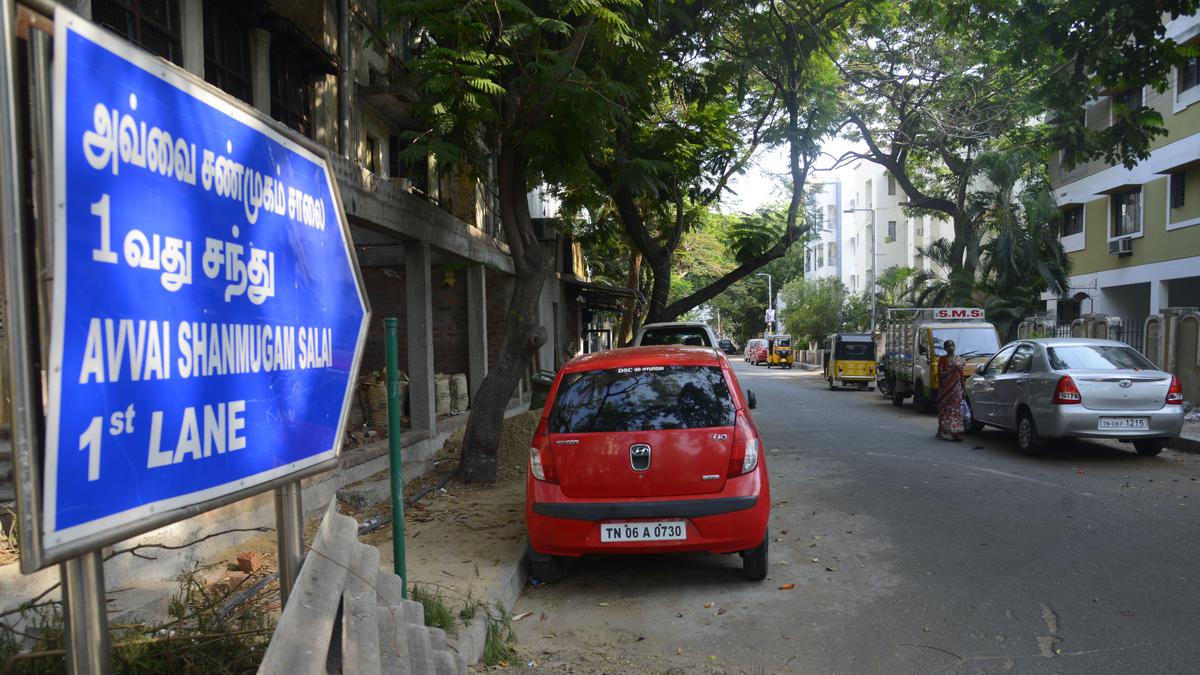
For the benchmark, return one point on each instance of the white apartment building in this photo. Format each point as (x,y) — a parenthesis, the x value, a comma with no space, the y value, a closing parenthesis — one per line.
(822,254)
(865,185)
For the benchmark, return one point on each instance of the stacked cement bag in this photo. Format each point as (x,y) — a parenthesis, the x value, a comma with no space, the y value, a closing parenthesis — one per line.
(441,394)
(459,393)
(374,388)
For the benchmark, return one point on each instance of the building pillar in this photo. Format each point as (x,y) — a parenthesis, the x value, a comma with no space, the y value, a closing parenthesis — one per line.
(419,308)
(477,328)
(260,69)
(191,36)
(1159,296)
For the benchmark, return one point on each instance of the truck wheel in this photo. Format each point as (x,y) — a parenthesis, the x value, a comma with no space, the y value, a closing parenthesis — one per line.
(920,402)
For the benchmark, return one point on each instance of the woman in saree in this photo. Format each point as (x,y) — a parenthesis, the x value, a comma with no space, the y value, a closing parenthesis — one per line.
(950,395)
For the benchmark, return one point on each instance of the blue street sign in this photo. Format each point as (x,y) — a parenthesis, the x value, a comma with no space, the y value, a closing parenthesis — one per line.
(208,314)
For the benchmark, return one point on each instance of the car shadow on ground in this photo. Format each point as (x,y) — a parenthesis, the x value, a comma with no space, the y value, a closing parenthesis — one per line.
(1061,450)
(652,575)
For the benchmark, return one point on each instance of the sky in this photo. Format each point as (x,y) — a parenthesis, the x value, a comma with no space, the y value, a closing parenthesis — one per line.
(766,180)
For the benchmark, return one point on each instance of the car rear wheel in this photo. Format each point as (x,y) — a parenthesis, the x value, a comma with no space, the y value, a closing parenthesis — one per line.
(1027,436)
(1148,447)
(545,568)
(754,561)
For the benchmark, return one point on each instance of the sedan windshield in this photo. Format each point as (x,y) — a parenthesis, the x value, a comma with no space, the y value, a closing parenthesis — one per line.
(642,399)
(682,335)
(1097,357)
(967,341)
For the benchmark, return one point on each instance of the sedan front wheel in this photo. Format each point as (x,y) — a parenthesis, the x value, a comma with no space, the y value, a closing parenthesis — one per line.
(975,426)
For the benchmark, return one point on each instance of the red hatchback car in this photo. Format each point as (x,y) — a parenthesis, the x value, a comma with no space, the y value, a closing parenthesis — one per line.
(647,450)
(762,355)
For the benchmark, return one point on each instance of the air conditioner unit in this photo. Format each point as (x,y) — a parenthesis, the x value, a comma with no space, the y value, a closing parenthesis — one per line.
(1121,247)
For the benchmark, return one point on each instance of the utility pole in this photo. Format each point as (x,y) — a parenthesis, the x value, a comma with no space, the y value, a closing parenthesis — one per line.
(773,324)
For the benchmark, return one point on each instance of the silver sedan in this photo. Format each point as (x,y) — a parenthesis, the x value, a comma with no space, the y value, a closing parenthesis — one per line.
(1076,387)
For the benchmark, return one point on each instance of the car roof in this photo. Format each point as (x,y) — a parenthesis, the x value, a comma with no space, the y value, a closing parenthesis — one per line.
(658,355)
(1072,342)
(673,324)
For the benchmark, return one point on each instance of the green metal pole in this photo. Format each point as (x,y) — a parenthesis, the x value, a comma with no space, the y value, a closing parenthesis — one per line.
(391,336)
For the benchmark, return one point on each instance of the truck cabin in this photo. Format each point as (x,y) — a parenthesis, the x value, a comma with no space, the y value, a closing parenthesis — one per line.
(970,341)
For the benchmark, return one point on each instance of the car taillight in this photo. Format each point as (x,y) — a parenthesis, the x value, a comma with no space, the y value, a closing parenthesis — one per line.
(1066,392)
(1175,392)
(541,457)
(744,457)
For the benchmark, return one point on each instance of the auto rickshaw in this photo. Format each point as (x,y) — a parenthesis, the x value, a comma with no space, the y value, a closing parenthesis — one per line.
(850,360)
(779,351)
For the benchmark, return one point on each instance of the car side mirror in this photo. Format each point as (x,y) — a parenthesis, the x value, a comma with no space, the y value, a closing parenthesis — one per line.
(981,370)
(751,399)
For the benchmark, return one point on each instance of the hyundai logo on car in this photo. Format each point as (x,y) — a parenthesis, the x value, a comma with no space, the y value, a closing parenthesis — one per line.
(639,457)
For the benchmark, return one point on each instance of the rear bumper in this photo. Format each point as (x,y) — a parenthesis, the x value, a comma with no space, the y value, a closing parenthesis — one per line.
(732,520)
(675,508)
(1061,421)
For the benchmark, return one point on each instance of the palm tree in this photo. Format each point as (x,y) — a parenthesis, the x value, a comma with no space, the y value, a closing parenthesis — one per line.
(1020,253)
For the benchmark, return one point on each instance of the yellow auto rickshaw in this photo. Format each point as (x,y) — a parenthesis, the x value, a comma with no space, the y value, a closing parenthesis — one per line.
(850,360)
(779,351)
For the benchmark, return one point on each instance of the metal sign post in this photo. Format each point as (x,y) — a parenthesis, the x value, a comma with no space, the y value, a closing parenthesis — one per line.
(289,536)
(207,318)
(86,620)
(391,334)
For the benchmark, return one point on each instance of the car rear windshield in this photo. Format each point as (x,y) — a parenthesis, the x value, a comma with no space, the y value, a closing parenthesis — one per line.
(1097,357)
(856,351)
(651,398)
(694,337)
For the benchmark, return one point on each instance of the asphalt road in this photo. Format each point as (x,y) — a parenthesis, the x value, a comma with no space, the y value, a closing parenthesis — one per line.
(908,555)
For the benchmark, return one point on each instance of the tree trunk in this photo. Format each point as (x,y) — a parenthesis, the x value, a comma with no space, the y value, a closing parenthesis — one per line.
(660,290)
(523,332)
(632,280)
